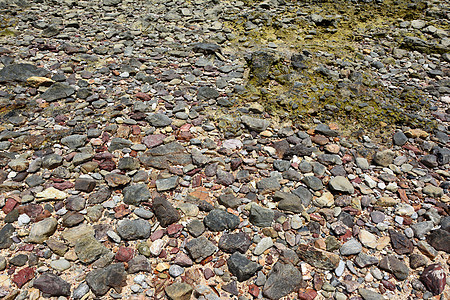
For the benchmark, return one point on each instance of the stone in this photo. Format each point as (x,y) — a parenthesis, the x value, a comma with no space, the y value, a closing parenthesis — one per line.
(128,164)
(179,291)
(260,216)
(241,267)
(42,230)
(313,183)
(429,161)
(19,260)
(56,246)
(135,194)
(52,161)
(176,270)
(167,184)
(139,264)
(101,280)
(288,202)
(282,280)
(440,240)
(421,229)
(417,261)
(165,212)
(363,260)
(231,243)
(350,247)
(74,141)
(85,185)
(51,194)
(5,236)
(116,180)
(60,265)
(195,228)
(400,243)
(399,138)
(133,229)
(433,191)
(434,278)
(263,245)
(88,249)
(368,239)
(384,158)
(52,285)
(200,248)
(229,200)
(395,266)
(255,123)
(318,258)
(159,120)
(21,72)
(23,276)
(341,184)
(219,220)
(163,156)
(268,185)
(81,290)
(370,295)
(224,178)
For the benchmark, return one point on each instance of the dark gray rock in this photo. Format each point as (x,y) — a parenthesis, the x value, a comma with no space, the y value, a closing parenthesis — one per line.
(101,280)
(224,178)
(288,202)
(231,243)
(399,138)
(128,164)
(304,194)
(395,266)
(325,130)
(219,220)
(74,141)
(165,212)
(135,194)
(429,160)
(52,285)
(370,295)
(255,123)
(118,144)
(139,264)
(206,92)
(267,185)
(167,184)
(57,91)
(260,216)
(195,228)
(206,48)
(229,200)
(21,72)
(440,240)
(5,236)
(159,120)
(133,229)
(313,182)
(163,156)
(200,248)
(281,281)
(241,267)
(52,161)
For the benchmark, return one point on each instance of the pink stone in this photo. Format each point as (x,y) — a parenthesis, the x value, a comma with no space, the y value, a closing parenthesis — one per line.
(124,254)
(23,276)
(153,140)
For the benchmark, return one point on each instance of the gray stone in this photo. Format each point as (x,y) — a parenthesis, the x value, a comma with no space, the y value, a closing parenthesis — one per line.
(57,91)
(304,194)
(195,228)
(51,161)
(341,184)
(81,290)
(399,138)
(288,202)
(370,295)
(200,248)
(281,281)
(313,183)
(133,229)
(350,247)
(268,185)
(159,120)
(88,249)
(21,72)
(219,220)
(422,228)
(261,217)
(135,194)
(5,236)
(139,264)
(231,243)
(74,141)
(128,164)
(229,200)
(241,267)
(384,158)
(118,144)
(163,156)
(395,266)
(101,280)
(224,178)
(167,184)
(42,230)
(255,123)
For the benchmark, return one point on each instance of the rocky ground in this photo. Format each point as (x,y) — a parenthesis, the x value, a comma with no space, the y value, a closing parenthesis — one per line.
(224,149)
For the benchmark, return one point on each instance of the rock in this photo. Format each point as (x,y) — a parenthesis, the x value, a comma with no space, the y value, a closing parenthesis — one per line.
(399,138)
(88,249)
(81,290)
(440,240)
(255,123)
(133,229)
(116,180)
(377,216)
(231,243)
(179,291)
(200,248)
(60,264)
(206,92)
(167,184)
(57,91)
(165,212)
(370,295)
(224,178)
(261,217)
(288,202)
(281,281)
(21,72)
(23,276)
(195,228)
(393,265)
(128,164)
(263,245)
(206,48)
(417,261)
(42,230)
(433,191)
(5,236)
(434,278)
(101,280)
(52,161)
(52,285)
(19,260)
(139,264)
(153,140)
(85,185)
(229,200)
(2,263)
(74,141)
(318,258)
(350,247)
(159,120)
(268,185)
(341,184)
(400,243)
(219,220)
(384,158)
(51,194)
(363,260)
(368,239)
(119,143)
(429,160)
(422,228)
(135,194)
(313,183)
(163,156)
(241,267)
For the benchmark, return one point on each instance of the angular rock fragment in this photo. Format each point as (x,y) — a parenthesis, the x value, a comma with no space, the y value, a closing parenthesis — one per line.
(434,278)
(52,285)
(281,281)
(219,220)
(241,267)
(102,280)
(165,212)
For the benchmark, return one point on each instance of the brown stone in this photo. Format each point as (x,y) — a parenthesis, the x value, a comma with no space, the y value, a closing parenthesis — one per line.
(434,278)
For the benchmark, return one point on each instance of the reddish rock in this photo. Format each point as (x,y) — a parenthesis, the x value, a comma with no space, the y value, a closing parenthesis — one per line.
(143,96)
(9,205)
(153,140)
(121,211)
(320,139)
(63,185)
(434,278)
(173,229)
(157,234)
(32,210)
(23,276)
(208,273)
(124,254)
(308,294)
(107,165)
(388,285)
(253,290)
(44,215)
